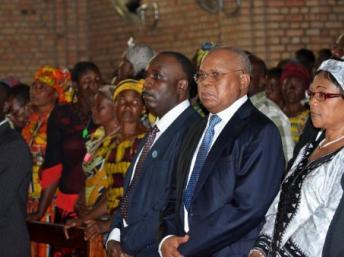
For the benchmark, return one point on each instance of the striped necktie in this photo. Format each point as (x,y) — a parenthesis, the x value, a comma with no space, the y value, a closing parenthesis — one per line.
(200,159)
(138,170)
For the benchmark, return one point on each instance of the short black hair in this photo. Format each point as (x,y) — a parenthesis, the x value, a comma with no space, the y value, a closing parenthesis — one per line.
(324,54)
(254,59)
(20,92)
(188,68)
(306,57)
(275,72)
(81,68)
(5,87)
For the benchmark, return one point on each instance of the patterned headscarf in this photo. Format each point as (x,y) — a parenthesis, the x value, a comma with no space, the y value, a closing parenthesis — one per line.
(57,78)
(202,52)
(136,85)
(335,68)
(129,84)
(294,69)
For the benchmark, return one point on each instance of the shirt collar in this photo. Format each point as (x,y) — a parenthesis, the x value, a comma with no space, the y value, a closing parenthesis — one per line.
(3,121)
(228,113)
(171,116)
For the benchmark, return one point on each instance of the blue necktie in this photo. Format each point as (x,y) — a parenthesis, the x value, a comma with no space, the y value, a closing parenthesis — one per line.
(201,156)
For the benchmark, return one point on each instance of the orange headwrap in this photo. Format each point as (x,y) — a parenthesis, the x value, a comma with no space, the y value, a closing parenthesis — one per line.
(59,79)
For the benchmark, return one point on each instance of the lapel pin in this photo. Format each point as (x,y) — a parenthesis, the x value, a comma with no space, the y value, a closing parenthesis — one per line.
(154,153)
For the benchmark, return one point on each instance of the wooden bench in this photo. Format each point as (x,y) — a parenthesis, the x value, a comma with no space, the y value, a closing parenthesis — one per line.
(53,234)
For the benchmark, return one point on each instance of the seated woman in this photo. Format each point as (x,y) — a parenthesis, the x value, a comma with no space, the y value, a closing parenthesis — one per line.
(295,81)
(100,206)
(298,219)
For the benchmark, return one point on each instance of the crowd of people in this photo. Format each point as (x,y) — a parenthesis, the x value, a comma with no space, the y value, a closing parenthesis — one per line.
(211,156)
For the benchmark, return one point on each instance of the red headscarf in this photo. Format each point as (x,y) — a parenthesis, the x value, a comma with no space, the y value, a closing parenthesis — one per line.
(296,70)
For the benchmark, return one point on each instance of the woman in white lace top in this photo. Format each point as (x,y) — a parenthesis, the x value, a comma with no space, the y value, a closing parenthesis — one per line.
(299,217)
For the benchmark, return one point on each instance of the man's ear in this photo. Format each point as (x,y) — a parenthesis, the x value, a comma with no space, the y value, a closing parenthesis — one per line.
(244,82)
(182,87)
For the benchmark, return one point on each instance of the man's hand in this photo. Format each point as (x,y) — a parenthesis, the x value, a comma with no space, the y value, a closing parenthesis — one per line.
(256,253)
(114,249)
(169,247)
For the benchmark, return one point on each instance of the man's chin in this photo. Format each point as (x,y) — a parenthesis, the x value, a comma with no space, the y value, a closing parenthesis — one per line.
(152,109)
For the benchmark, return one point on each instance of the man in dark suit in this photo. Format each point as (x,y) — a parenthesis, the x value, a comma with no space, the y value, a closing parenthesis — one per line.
(166,90)
(230,166)
(15,174)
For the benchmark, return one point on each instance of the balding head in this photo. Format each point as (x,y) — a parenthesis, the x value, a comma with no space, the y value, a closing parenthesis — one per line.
(224,77)
(236,55)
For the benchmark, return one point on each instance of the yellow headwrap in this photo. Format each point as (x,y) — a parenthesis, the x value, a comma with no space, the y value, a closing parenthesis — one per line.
(59,79)
(136,85)
(128,84)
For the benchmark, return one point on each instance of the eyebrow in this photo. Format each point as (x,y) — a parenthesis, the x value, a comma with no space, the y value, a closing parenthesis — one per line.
(213,70)
(318,86)
(156,68)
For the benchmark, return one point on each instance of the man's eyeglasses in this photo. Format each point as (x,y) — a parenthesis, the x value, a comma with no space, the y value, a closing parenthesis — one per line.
(213,75)
(322,96)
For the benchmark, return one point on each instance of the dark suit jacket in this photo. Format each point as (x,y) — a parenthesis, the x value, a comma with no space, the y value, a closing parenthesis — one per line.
(15,174)
(334,246)
(239,180)
(149,197)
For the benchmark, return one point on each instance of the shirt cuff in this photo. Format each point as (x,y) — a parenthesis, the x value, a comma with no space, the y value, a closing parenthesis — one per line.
(162,241)
(115,235)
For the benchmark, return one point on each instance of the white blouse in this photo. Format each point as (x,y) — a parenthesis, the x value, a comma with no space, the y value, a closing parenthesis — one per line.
(304,234)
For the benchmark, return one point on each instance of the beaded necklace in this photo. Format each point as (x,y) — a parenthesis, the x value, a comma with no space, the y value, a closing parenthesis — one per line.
(322,145)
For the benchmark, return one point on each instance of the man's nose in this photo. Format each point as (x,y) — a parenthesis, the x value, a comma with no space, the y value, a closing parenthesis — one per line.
(148,83)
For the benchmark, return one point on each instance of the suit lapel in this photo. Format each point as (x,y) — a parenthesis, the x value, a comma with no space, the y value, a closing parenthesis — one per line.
(164,139)
(162,143)
(225,139)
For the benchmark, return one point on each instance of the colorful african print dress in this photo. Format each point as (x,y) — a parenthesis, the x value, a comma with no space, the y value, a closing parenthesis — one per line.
(98,148)
(35,135)
(297,124)
(116,167)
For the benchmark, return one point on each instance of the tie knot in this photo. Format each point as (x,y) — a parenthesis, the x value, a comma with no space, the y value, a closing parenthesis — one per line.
(214,119)
(154,129)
